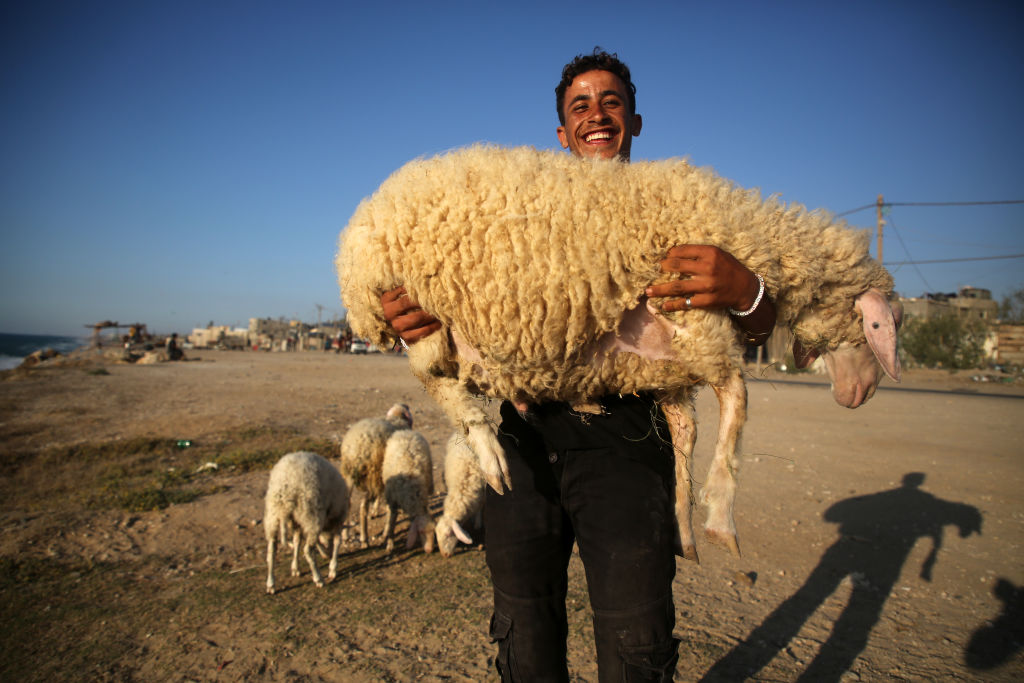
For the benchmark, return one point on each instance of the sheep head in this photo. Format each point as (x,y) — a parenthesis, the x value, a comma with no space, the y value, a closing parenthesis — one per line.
(421,530)
(449,532)
(855,367)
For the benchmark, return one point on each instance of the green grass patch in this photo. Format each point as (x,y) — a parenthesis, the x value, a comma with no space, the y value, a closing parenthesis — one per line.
(145,473)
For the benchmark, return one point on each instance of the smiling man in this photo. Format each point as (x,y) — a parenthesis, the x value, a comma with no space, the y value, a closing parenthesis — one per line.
(598,117)
(603,482)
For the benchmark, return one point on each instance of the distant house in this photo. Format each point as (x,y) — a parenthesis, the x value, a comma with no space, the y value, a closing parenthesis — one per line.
(969,302)
(219,336)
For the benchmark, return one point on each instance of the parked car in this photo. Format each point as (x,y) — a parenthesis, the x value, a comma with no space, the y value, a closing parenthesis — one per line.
(359,346)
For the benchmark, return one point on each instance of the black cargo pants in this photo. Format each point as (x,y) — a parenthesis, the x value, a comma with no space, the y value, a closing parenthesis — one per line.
(606,482)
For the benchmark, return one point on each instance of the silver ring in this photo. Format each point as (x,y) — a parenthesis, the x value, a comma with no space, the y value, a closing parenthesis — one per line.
(687,302)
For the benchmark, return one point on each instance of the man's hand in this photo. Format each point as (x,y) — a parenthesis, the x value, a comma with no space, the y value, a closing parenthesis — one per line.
(712,279)
(715,279)
(406,317)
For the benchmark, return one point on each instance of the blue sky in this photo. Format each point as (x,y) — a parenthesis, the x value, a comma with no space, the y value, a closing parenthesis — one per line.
(187,162)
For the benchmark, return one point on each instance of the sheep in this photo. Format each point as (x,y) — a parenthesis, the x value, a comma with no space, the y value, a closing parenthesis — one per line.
(362,453)
(307,495)
(464,500)
(535,262)
(408,474)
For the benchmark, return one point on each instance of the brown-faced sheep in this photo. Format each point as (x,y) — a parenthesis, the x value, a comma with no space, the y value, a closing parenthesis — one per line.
(536,262)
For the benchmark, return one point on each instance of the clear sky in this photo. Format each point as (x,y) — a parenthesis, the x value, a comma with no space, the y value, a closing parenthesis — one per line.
(177,163)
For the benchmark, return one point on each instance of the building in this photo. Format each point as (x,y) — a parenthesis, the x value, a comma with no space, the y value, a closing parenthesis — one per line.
(969,302)
(219,337)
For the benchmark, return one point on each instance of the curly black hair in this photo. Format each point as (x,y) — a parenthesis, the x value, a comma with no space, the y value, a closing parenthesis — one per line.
(597,60)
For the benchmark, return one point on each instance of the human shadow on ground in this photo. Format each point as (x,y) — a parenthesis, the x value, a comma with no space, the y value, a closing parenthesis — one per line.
(876,534)
(999,639)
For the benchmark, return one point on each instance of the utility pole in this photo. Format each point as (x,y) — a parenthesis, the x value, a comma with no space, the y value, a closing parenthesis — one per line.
(881,222)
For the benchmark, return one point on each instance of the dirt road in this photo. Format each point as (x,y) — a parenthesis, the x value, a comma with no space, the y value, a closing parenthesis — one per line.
(881,543)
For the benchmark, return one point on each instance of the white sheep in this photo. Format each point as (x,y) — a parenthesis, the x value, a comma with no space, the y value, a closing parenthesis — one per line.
(307,495)
(362,454)
(535,262)
(408,474)
(464,500)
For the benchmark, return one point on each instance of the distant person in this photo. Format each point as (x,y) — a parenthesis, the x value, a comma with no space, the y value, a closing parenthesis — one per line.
(173,352)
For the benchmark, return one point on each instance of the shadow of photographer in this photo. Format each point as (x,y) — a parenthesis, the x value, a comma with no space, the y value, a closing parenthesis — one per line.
(876,534)
(992,644)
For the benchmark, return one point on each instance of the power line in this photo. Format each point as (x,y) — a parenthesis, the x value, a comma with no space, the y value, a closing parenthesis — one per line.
(875,205)
(952,260)
(904,244)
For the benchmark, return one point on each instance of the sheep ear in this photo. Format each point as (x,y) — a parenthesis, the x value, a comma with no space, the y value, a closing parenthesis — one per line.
(880,329)
(461,534)
(803,356)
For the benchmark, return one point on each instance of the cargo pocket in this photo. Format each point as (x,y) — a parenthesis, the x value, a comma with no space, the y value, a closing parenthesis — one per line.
(501,633)
(650,662)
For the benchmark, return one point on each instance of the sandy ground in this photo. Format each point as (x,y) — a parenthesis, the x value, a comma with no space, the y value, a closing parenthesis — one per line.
(883,543)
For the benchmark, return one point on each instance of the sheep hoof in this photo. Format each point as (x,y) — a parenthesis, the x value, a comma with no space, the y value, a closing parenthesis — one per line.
(724,539)
(270,590)
(494,481)
(689,552)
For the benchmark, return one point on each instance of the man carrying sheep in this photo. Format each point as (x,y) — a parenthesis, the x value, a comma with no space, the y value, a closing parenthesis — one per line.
(602,480)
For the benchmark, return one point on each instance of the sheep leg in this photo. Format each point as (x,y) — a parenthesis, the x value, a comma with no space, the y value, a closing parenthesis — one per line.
(683,427)
(466,414)
(297,537)
(363,533)
(389,526)
(270,564)
(719,492)
(332,571)
(307,550)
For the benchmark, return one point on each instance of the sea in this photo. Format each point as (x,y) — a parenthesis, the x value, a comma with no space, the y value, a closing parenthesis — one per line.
(14,347)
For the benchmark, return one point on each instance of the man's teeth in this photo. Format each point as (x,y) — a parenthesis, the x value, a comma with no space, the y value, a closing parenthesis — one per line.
(590,137)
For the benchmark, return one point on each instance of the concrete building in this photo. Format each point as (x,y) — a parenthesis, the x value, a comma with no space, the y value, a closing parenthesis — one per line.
(969,302)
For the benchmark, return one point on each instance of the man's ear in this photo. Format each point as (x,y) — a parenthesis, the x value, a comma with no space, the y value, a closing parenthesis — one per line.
(562,137)
(638,123)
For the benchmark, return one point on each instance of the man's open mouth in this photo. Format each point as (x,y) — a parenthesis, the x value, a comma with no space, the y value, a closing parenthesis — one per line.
(597,135)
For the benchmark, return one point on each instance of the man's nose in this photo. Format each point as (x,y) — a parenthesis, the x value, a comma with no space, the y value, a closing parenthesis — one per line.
(598,114)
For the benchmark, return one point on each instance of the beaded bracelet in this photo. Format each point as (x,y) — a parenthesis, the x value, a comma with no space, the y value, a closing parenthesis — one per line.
(760,293)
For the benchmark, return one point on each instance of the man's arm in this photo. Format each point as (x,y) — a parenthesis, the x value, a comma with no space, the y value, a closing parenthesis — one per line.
(405,316)
(715,279)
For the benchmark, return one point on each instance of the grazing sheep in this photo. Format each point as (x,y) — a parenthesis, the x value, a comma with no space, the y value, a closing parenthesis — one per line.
(536,263)
(408,474)
(465,498)
(362,453)
(307,495)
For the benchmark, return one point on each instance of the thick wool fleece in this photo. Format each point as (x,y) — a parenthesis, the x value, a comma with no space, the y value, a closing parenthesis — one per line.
(532,255)
(408,473)
(362,452)
(306,491)
(463,480)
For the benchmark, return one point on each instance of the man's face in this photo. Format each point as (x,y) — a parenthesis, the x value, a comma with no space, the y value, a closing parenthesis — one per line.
(598,123)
